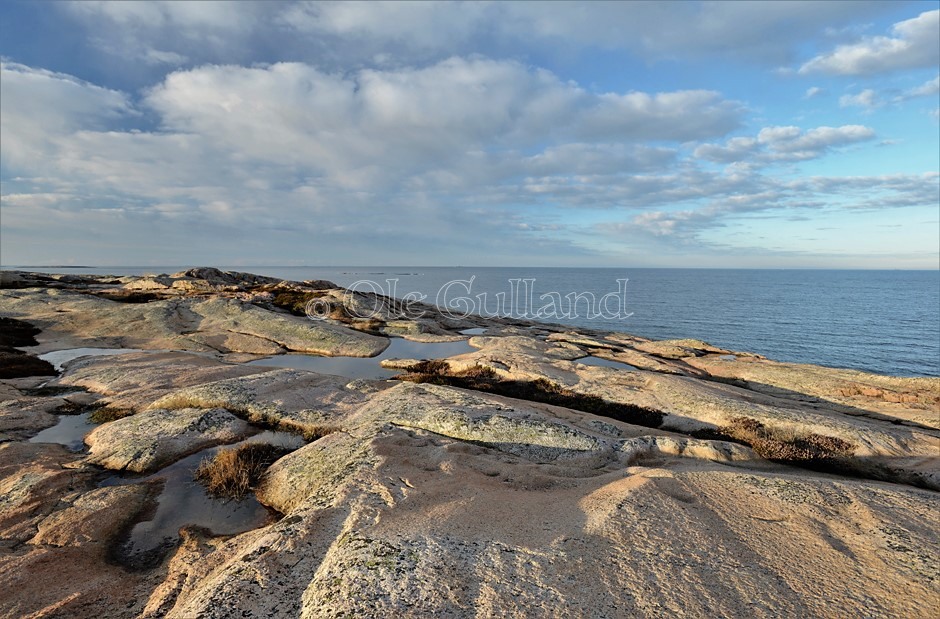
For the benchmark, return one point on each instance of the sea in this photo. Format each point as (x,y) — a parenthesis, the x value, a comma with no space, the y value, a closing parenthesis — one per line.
(886,322)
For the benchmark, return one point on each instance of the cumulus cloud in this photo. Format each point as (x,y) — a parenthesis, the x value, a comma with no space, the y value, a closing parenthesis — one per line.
(38,107)
(928,88)
(463,155)
(911,44)
(288,148)
(813,92)
(370,126)
(787,143)
(867,99)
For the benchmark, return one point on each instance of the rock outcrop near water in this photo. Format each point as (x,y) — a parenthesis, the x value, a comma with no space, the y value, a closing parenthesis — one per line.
(517,480)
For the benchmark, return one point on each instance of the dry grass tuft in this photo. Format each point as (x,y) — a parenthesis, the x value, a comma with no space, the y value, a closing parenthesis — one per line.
(233,472)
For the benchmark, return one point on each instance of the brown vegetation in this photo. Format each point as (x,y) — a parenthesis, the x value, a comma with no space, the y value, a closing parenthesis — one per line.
(234,471)
(804,448)
(107,413)
(482,378)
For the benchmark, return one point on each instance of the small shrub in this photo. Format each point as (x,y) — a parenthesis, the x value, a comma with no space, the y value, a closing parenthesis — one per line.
(234,471)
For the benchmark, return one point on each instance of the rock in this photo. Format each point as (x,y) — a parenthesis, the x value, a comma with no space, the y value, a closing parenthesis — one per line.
(21,417)
(291,400)
(216,277)
(32,481)
(314,475)
(430,500)
(887,397)
(678,349)
(133,381)
(148,441)
(75,319)
(291,332)
(93,519)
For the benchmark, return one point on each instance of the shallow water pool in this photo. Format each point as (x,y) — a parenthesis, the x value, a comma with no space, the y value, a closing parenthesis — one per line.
(368,367)
(70,431)
(183,501)
(58,358)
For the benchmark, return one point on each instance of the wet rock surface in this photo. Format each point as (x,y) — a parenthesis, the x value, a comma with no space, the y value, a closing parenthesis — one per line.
(496,483)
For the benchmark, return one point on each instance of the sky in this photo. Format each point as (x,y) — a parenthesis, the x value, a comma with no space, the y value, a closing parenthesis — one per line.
(636,134)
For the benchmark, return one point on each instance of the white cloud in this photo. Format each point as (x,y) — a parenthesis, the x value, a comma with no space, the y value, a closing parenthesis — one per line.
(928,88)
(773,144)
(814,91)
(340,34)
(38,108)
(912,44)
(767,196)
(814,142)
(867,99)
(464,155)
(371,126)
(438,152)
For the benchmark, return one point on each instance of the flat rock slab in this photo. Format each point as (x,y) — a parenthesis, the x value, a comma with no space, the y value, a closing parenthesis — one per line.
(187,323)
(147,441)
(292,400)
(93,519)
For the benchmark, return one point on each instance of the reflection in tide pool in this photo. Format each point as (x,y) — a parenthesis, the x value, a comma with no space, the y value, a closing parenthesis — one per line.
(368,367)
(58,358)
(70,431)
(184,502)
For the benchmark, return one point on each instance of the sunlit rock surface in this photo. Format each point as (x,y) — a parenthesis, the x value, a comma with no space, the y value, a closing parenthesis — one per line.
(427,498)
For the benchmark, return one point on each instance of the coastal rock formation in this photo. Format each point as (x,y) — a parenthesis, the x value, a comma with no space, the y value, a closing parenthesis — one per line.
(150,440)
(76,319)
(520,479)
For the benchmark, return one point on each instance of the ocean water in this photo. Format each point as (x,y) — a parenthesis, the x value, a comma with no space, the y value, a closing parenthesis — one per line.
(886,322)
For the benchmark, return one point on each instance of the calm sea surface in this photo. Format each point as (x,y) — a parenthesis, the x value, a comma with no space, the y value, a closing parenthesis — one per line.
(880,321)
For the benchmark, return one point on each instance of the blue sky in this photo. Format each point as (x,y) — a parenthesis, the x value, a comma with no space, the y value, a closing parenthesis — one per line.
(673,134)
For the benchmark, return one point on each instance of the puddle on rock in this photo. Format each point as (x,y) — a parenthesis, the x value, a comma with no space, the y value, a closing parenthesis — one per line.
(184,502)
(607,363)
(59,358)
(728,357)
(368,367)
(473,331)
(70,431)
